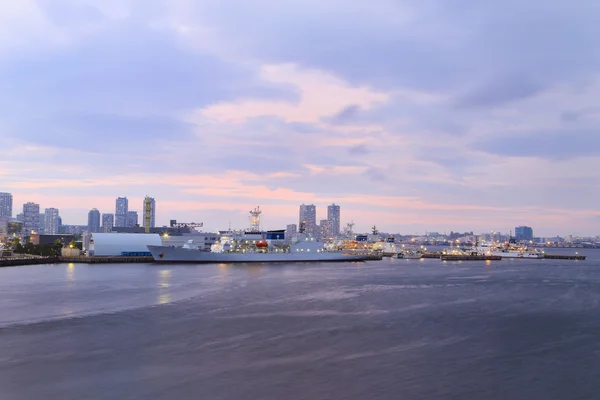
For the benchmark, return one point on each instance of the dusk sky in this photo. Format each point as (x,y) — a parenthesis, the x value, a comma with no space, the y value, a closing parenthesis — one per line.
(415,116)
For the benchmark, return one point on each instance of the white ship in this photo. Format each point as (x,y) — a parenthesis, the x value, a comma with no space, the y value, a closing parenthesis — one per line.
(253,246)
(246,248)
(509,250)
(410,254)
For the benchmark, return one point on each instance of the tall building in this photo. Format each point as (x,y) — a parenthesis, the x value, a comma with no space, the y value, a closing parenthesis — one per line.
(6,201)
(291,230)
(31,218)
(333,216)
(524,233)
(325,229)
(42,228)
(149,211)
(121,209)
(308,219)
(94,220)
(51,221)
(108,221)
(132,219)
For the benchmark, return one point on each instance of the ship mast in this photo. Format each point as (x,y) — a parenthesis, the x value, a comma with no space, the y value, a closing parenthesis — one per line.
(255,219)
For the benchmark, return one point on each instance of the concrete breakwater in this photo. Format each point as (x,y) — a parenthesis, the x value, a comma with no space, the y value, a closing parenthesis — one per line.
(107,260)
(26,260)
(563,257)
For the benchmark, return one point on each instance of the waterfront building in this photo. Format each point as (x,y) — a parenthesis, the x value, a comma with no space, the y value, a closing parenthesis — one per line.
(50,239)
(308,219)
(10,227)
(149,211)
(132,219)
(291,230)
(42,218)
(524,233)
(325,230)
(51,221)
(93,220)
(73,229)
(333,216)
(31,218)
(6,205)
(108,222)
(120,244)
(121,209)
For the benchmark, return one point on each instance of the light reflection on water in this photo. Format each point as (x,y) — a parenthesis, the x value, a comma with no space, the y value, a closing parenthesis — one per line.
(71,273)
(164,284)
(67,309)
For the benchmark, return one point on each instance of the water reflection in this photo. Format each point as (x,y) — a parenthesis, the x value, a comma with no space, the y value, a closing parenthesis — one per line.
(67,311)
(255,270)
(224,270)
(164,285)
(71,273)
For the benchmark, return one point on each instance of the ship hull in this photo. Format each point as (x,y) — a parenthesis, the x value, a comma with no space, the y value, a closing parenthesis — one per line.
(164,254)
(510,254)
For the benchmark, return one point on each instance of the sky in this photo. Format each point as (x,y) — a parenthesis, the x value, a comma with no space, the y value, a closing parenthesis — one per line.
(414,116)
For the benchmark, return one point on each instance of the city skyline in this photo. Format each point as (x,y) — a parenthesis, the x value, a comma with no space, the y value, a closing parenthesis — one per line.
(330,226)
(439,118)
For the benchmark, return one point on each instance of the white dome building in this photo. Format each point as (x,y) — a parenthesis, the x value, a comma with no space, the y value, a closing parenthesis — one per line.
(121,244)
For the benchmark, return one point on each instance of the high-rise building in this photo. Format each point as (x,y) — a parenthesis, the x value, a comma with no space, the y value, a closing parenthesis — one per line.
(6,201)
(51,221)
(291,230)
(94,220)
(108,221)
(308,219)
(149,211)
(31,218)
(121,209)
(325,229)
(132,219)
(524,233)
(42,228)
(333,216)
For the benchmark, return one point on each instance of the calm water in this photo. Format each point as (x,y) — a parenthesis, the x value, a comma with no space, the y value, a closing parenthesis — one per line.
(394,329)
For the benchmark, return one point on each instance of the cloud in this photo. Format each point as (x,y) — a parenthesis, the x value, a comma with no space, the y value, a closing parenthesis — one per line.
(360,149)
(418,115)
(105,133)
(321,95)
(553,144)
(499,91)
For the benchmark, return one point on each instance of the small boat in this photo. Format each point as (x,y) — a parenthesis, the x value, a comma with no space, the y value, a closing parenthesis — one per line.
(409,254)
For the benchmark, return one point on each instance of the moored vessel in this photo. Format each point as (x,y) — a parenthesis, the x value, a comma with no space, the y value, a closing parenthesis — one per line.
(254,246)
(246,248)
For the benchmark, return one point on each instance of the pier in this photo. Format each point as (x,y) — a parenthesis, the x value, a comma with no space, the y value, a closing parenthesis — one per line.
(433,254)
(563,257)
(107,260)
(468,257)
(15,261)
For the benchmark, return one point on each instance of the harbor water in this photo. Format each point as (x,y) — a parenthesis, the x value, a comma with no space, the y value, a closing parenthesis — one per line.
(391,329)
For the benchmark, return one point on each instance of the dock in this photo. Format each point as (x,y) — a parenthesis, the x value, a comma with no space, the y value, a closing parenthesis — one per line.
(467,257)
(433,254)
(563,257)
(107,260)
(372,257)
(26,260)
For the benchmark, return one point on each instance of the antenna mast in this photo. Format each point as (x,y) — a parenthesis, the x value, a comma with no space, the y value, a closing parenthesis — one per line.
(255,219)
